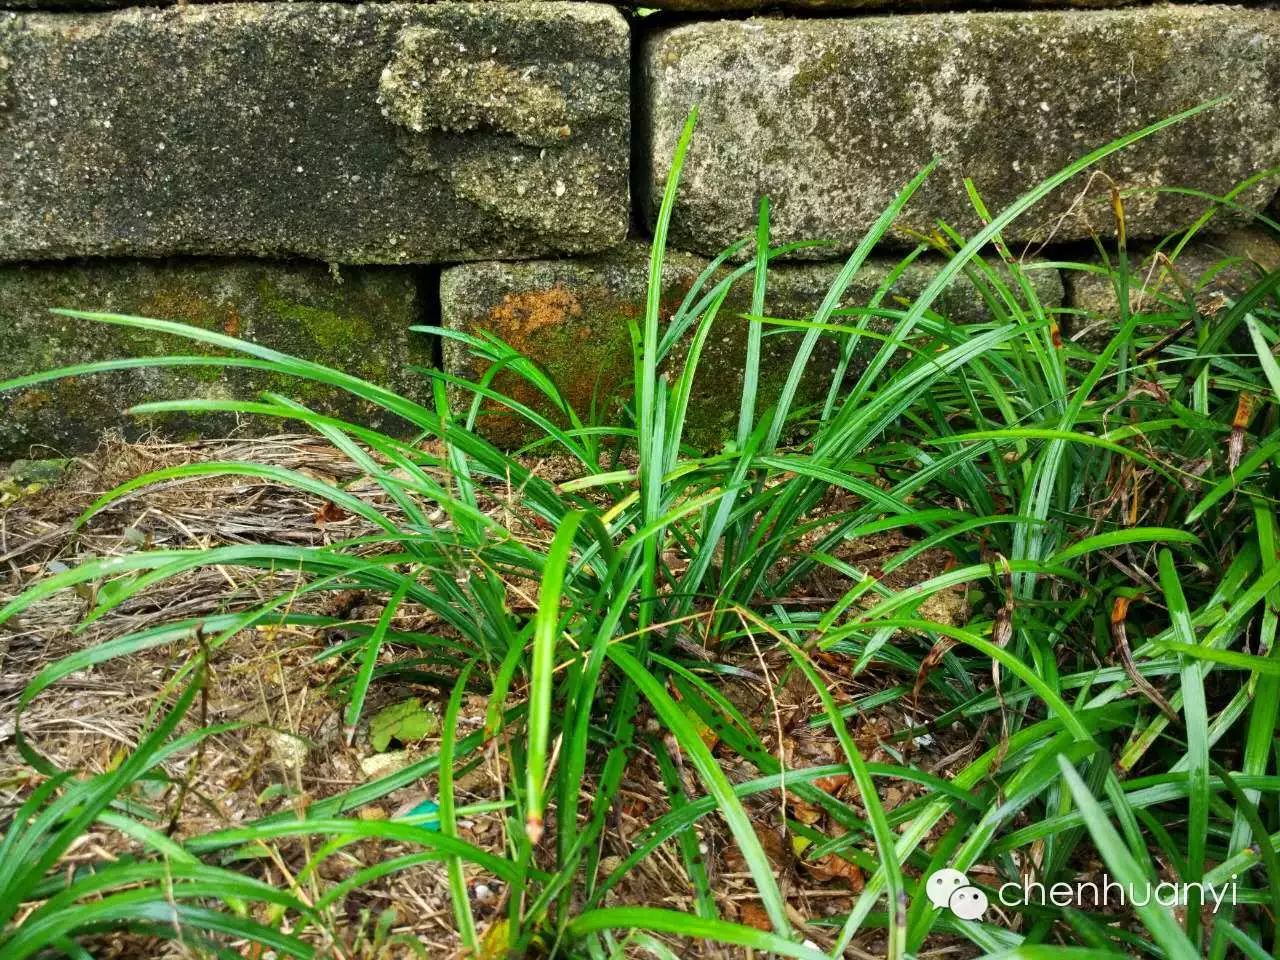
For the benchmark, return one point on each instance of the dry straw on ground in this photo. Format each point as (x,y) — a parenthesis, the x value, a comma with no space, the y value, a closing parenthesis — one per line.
(291,749)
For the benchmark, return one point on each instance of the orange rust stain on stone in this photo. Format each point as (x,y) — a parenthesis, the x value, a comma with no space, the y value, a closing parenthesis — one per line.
(518,320)
(521,315)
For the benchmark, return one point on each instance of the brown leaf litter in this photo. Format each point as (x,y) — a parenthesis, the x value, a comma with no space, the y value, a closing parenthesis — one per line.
(291,749)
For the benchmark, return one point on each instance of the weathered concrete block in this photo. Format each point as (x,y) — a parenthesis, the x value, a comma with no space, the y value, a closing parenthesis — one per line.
(571,317)
(691,6)
(1212,270)
(871,6)
(357,322)
(371,133)
(831,118)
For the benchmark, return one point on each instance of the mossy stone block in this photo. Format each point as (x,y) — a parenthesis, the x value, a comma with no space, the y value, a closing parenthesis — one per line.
(572,318)
(357,321)
(832,117)
(708,7)
(1213,270)
(370,133)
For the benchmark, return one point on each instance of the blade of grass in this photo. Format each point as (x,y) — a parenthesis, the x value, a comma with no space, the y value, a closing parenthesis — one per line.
(546,634)
(369,660)
(1158,920)
(448,817)
(762,871)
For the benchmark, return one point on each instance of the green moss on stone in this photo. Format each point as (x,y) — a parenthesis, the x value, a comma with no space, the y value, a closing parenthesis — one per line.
(359,326)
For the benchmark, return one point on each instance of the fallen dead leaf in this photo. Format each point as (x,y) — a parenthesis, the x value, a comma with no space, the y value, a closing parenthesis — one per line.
(330,512)
(752,914)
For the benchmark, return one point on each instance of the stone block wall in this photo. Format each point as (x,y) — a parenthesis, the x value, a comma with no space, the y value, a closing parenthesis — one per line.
(319,177)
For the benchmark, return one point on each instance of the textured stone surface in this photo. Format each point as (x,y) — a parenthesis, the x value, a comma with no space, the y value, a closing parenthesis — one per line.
(571,317)
(358,323)
(1214,269)
(831,117)
(365,133)
(693,6)
(886,6)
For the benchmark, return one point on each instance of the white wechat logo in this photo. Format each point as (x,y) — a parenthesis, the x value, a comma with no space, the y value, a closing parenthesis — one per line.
(951,890)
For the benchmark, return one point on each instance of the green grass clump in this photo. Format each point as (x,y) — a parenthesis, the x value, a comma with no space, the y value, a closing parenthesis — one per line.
(1110,516)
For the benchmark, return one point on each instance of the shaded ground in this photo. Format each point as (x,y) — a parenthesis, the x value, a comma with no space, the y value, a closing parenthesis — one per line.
(290,747)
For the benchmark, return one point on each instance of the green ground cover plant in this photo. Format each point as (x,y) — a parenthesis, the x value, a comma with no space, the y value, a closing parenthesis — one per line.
(1109,515)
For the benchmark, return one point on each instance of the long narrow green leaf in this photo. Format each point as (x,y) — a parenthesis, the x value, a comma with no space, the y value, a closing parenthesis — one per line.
(1124,869)
(448,815)
(717,784)
(1195,714)
(895,892)
(686,925)
(751,365)
(546,635)
(369,657)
